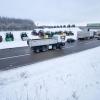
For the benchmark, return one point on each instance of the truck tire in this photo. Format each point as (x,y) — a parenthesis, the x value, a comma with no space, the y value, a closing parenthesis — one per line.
(54,47)
(89,38)
(44,48)
(60,46)
(37,50)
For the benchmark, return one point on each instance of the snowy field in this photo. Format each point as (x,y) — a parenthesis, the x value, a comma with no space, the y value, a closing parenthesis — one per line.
(17,40)
(73,77)
(19,43)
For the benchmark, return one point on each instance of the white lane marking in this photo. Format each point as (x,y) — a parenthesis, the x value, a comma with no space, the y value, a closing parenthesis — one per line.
(87,42)
(69,47)
(14,57)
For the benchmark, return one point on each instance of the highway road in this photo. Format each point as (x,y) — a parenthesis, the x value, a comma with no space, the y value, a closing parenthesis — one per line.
(18,57)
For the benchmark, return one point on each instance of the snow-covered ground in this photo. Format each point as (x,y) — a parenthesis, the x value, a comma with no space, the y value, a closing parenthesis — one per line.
(19,43)
(17,39)
(73,77)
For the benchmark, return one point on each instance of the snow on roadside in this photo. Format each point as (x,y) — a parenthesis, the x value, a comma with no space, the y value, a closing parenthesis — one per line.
(14,44)
(17,39)
(73,77)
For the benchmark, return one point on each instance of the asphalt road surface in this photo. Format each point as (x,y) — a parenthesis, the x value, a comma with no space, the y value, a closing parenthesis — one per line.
(17,57)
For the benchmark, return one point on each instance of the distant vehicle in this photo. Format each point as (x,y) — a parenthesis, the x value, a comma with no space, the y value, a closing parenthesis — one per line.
(70,40)
(9,37)
(24,36)
(73,25)
(41,33)
(1,39)
(34,32)
(97,34)
(98,38)
(48,34)
(82,35)
(38,45)
(69,33)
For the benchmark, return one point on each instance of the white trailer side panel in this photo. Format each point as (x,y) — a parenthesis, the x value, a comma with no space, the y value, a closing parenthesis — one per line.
(40,42)
(82,34)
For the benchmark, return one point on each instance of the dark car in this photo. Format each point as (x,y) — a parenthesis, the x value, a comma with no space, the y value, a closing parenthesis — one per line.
(70,40)
(98,38)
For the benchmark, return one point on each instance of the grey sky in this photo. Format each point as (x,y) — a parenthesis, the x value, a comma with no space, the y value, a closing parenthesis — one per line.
(72,11)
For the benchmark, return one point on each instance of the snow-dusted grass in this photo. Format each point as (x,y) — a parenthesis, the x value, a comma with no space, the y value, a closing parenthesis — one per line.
(15,33)
(73,77)
(12,44)
(17,39)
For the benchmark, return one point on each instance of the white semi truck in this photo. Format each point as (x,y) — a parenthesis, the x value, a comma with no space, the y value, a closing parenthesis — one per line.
(82,35)
(44,44)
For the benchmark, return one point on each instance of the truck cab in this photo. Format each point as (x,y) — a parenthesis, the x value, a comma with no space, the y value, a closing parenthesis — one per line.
(60,38)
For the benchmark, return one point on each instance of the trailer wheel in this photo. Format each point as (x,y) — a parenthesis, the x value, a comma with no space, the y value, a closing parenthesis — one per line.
(60,46)
(54,47)
(37,50)
(44,48)
(32,48)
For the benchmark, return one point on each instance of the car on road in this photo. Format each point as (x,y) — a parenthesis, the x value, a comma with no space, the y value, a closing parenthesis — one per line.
(97,35)
(98,38)
(70,40)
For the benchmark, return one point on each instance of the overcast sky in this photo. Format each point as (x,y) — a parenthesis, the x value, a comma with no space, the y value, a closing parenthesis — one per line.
(61,11)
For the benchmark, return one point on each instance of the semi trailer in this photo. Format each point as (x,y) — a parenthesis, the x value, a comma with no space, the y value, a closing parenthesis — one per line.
(44,44)
(82,35)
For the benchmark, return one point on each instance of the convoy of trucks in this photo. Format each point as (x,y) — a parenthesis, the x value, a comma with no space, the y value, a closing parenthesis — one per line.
(57,41)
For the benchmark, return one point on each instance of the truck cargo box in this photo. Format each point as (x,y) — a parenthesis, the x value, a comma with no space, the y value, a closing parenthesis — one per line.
(82,34)
(40,42)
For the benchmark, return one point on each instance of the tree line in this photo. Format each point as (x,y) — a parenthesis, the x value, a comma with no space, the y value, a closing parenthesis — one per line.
(57,26)
(11,24)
